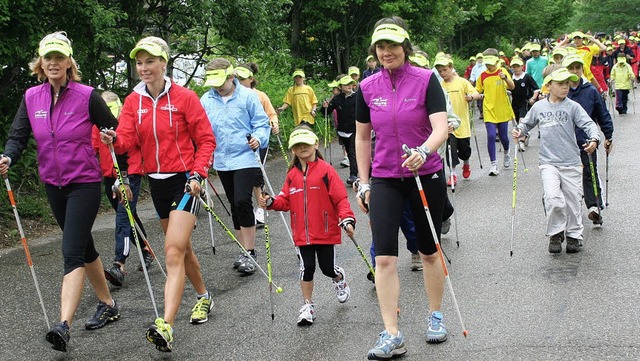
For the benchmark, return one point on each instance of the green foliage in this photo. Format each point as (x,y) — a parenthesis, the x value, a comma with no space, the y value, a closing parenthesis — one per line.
(607,16)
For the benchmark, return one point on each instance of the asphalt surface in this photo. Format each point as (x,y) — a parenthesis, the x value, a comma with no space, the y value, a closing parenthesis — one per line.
(531,306)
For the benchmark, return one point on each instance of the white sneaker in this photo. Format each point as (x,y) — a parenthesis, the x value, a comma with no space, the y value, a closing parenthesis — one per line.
(507,160)
(494,170)
(307,314)
(342,288)
(344,162)
(259,213)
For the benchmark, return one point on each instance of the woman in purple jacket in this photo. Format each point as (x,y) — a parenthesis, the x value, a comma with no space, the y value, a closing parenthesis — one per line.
(403,105)
(61,114)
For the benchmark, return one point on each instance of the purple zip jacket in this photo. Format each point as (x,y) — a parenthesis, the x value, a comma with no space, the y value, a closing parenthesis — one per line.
(397,104)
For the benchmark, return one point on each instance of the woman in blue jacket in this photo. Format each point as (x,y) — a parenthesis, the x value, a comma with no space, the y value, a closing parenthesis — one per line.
(234,112)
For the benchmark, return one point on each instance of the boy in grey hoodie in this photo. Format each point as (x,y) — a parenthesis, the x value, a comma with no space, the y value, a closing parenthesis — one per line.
(560,165)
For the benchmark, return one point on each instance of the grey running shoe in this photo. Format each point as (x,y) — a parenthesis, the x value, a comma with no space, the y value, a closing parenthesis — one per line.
(114,275)
(446,226)
(343,291)
(238,262)
(247,266)
(388,346)
(436,332)
(573,245)
(555,243)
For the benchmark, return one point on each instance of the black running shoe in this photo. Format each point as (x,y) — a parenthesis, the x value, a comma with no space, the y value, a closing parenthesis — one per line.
(58,336)
(103,315)
(148,260)
(114,275)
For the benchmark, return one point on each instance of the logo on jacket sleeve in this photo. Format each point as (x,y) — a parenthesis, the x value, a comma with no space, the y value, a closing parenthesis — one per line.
(379,102)
(40,114)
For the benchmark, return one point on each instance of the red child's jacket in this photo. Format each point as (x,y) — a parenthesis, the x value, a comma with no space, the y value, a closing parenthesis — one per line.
(317,202)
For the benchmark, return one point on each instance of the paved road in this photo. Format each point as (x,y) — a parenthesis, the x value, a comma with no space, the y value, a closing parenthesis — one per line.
(532,306)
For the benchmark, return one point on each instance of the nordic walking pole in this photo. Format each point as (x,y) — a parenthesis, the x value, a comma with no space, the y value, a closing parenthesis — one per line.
(25,246)
(524,164)
(364,257)
(473,128)
(268,183)
(146,243)
(633,90)
(513,197)
(267,245)
(606,181)
(594,181)
(326,131)
(213,241)
(217,195)
(132,223)
(284,154)
(453,192)
(407,151)
(233,237)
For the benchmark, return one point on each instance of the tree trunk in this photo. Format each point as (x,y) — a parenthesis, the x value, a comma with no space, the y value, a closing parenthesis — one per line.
(296,14)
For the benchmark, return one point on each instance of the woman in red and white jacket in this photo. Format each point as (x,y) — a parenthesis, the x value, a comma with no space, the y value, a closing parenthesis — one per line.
(173,132)
(317,200)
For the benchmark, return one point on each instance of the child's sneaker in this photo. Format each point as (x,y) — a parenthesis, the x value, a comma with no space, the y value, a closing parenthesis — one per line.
(436,332)
(259,215)
(238,262)
(594,215)
(344,162)
(416,262)
(521,146)
(506,160)
(466,171)
(58,336)
(387,346)
(307,314)
(200,312)
(446,226)
(104,314)
(148,260)
(493,171)
(161,335)
(248,266)
(573,245)
(555,243)
(342,288)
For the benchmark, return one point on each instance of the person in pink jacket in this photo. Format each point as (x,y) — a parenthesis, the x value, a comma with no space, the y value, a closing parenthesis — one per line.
(317,201)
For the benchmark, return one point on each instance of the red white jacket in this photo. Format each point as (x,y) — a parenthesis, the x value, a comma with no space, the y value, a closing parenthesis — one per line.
(172,131)
(317,202)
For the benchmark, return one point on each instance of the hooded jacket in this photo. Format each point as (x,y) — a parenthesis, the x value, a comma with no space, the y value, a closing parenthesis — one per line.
(172,131)
(317,201)
(588,97)
(231,121)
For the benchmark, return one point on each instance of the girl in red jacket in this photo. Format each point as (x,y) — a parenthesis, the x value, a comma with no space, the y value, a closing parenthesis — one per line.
(317,201)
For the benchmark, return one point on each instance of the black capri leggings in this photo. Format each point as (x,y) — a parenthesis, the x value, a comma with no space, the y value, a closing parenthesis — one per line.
(387,202)
(75,207)
(326,260)
(238,184)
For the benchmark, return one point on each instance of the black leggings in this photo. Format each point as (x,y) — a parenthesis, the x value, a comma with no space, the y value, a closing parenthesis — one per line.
(326,261)
(460,149)
(387,202)
(238,185)
(75,207)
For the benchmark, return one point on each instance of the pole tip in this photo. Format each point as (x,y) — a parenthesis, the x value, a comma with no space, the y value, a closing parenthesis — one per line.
(279,290)
(465,333)
(511,253)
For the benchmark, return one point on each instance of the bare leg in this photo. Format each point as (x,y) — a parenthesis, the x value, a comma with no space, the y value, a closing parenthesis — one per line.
(95,274)
(307,290)
(388,290)
(433,275)
(72,287)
